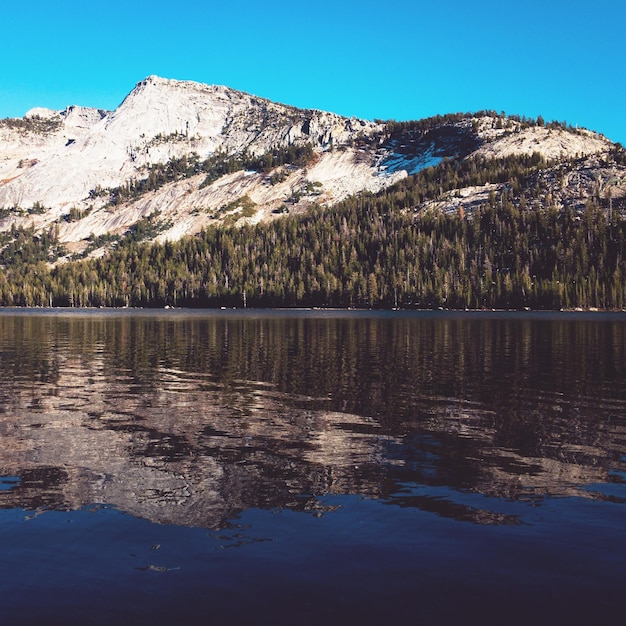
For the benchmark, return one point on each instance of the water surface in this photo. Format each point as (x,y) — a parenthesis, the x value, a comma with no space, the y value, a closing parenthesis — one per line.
(311,467)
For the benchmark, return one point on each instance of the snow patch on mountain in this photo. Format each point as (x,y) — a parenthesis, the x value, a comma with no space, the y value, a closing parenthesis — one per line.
(397,162)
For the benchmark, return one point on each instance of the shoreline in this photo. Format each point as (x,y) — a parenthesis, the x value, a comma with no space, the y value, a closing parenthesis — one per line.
(311,312)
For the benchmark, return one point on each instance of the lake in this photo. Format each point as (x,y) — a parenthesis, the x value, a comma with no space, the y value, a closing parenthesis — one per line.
(311,467)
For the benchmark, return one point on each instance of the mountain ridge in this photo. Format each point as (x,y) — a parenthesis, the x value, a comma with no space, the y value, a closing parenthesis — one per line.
(82,171)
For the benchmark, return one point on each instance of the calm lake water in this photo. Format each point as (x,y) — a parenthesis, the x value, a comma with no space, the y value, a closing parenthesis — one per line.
(259,467)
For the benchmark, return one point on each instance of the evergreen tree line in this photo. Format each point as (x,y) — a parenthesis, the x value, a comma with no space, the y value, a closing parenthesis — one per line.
(215,166)
(21,246)
(32,124)
(395,128)
(516,171)
(369,251)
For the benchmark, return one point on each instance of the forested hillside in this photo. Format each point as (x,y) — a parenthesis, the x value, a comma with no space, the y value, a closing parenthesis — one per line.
(177,157)
(516,250)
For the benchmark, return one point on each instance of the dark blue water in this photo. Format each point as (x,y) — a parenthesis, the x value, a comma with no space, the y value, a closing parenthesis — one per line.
(312,468)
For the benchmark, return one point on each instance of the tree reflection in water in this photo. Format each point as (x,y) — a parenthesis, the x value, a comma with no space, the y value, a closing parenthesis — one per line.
(191,418)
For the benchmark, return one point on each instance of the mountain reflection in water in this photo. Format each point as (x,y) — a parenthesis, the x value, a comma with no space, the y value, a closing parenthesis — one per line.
(190,419)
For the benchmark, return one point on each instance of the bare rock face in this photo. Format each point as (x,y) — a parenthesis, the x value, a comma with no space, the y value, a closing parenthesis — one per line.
(57,159)
(66,162)
(78,148)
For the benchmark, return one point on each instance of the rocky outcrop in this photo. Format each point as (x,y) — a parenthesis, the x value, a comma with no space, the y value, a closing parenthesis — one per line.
(67,161)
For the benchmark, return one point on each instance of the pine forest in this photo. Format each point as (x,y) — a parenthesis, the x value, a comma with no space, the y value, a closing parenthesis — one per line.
(517,250)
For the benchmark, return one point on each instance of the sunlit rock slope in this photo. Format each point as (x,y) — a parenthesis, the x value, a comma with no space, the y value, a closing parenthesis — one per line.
(80,172)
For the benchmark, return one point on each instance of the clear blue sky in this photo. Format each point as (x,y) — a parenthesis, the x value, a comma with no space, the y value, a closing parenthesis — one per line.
(404,59)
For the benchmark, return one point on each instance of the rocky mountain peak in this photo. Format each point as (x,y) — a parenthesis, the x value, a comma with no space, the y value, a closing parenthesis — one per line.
(42,113)
(111,169)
